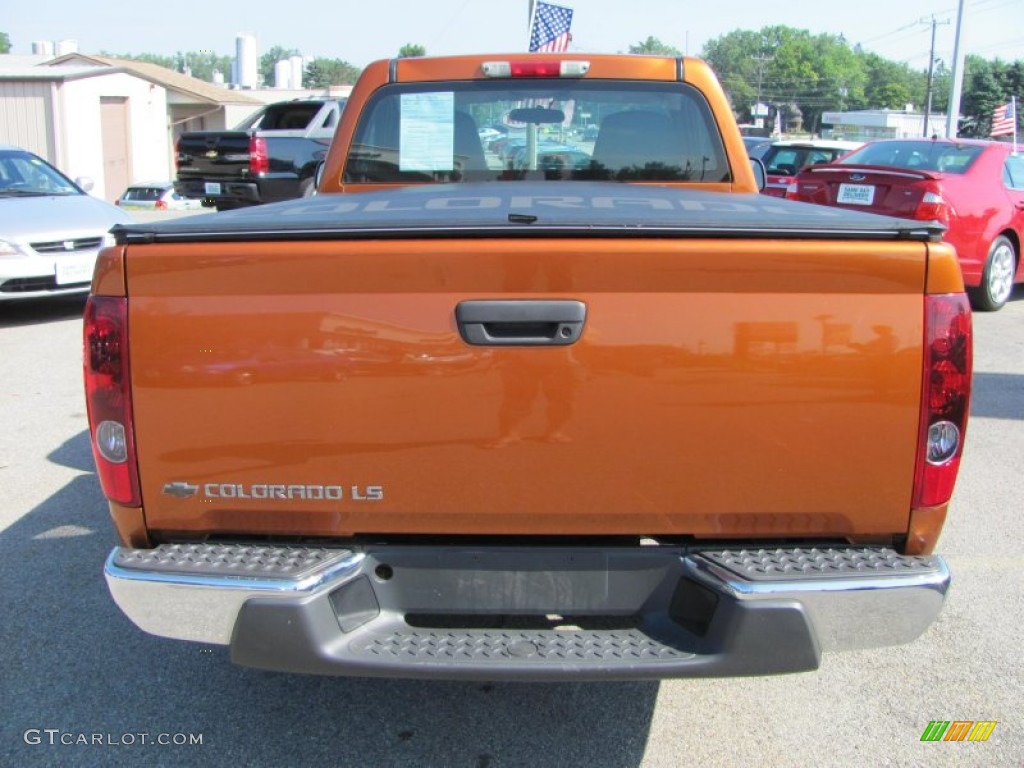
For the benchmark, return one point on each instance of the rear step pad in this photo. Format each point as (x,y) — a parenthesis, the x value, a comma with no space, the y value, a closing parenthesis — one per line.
(796,563)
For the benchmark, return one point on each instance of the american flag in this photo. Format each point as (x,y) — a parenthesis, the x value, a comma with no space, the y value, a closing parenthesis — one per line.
(550,31)
(1004,119)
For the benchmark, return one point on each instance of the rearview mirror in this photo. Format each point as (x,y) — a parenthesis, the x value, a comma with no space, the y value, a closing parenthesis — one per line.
(536,115)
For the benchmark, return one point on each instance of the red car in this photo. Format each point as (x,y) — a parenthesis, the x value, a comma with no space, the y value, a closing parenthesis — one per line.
(975,188)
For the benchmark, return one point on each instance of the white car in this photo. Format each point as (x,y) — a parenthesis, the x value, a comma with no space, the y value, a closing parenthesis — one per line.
(783,160)
(50,230)
(156,196)
(489,134)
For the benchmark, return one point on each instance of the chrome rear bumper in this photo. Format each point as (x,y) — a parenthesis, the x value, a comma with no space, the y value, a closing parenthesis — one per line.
(529,612)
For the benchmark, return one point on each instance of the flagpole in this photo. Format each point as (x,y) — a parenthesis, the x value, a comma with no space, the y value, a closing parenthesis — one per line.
(529,29)
(1013,106)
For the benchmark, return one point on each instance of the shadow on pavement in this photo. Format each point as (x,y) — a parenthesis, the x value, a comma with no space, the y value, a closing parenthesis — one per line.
(73,662)
(38,311)
(998,396)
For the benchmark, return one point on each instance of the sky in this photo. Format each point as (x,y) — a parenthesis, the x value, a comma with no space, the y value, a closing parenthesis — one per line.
(361,32)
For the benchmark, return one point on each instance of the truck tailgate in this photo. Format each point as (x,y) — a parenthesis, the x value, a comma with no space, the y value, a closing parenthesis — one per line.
(718,388)
(213,155)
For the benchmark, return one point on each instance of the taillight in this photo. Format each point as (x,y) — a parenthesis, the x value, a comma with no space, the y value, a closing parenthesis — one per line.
(945,397)
(793,191)
(933,207)
(108,398)
(161,205)
(259,160)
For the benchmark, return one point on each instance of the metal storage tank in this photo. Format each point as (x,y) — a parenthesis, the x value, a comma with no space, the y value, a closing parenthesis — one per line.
(246,59)
(66,46)
(42,48)
(282,74)
(298,70)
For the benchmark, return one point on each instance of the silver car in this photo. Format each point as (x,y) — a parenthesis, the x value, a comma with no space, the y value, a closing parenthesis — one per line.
(156,196)
(50,230)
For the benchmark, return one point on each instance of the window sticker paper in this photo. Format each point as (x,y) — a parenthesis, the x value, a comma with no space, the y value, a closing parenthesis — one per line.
(427,132)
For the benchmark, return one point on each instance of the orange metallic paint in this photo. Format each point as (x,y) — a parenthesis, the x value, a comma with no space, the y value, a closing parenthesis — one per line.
(944,275)
(431,69)
(108,276)
(925,526)
(721,388)
(130,525)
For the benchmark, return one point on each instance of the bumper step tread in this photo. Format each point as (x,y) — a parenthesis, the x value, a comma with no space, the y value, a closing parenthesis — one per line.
(226,560)
(819,562)
(550,645)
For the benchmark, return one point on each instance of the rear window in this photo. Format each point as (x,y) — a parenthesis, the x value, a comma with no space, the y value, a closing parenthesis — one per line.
(538,129)
(916,156)
(282,117)
(143,193)
(1013,172)
(787,161)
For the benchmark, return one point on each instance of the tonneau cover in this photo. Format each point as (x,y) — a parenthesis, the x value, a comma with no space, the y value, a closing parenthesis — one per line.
(575,209)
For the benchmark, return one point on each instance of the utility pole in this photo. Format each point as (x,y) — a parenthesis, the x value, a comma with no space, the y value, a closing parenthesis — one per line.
(931,68)
(953,118)
(762,61)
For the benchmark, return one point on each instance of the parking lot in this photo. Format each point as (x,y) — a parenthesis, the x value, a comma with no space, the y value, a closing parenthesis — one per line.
(73,666)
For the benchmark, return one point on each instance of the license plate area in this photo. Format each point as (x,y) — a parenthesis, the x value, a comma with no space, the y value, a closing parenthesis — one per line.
(212,187)
(856,194)
(75,269)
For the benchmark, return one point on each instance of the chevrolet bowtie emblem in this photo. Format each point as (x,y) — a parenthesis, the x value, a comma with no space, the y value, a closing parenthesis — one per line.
(180,489)
(212,153)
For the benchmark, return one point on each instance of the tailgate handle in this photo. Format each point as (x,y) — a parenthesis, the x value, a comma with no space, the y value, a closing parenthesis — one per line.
(526,323)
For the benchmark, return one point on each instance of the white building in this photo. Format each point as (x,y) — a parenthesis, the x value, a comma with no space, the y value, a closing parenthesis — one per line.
(866,125)
(113,120)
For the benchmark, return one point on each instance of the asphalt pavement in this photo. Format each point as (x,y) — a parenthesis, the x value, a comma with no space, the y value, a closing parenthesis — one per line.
(73,669)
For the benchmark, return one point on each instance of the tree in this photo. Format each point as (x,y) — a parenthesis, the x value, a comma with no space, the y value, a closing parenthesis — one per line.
(5,43)
(322,73)
(653,45)
(782,65)
(169,62)
(810,74)
(982,93)
(410,50)
(201,64)
(734,57)
(893,85)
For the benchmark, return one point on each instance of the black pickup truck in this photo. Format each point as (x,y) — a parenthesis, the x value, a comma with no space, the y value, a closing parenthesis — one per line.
(270,156)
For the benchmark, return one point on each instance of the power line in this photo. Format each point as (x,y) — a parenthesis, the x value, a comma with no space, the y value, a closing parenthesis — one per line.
(994,8)
(905,27)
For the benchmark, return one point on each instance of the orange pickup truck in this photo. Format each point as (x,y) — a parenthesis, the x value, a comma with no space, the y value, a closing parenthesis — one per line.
(512,398)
